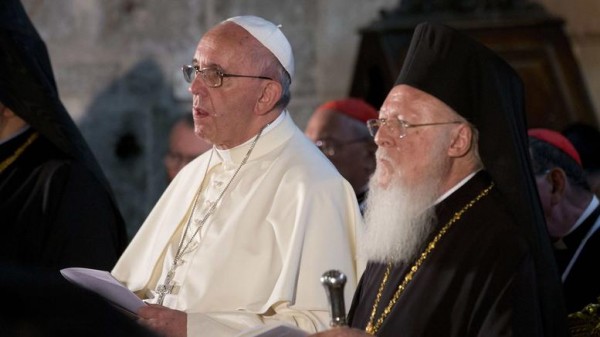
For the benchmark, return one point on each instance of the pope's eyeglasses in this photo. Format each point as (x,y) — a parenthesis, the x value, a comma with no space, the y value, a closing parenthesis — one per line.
(397,126)
(212,77)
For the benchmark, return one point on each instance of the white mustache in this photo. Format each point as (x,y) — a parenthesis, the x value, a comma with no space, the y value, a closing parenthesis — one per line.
(380,155)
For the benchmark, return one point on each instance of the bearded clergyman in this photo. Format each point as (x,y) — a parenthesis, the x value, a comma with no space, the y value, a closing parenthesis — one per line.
(454,237)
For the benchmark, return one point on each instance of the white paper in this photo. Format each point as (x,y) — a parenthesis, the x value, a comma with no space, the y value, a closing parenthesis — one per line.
(274,330)
(104,284)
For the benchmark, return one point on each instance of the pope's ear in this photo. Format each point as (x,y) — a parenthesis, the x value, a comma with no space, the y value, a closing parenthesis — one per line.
(270,95)
(462,138)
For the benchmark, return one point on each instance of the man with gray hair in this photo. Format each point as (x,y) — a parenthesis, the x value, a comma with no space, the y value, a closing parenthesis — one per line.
(244,232)
(455,236)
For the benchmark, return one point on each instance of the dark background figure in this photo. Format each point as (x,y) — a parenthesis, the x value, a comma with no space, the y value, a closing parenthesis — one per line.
(39,303)
(586,140)
(184,145)
(339,129)
(56,206)
(572,214)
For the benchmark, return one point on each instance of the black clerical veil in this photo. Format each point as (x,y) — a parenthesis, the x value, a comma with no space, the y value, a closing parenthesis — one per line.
(28,88)
(486,91)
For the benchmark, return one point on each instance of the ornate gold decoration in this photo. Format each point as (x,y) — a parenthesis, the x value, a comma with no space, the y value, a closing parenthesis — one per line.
(585,323)
(6,162)
(373,324)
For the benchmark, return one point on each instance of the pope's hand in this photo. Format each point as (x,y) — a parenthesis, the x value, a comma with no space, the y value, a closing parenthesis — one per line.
(166,322)
(341,332)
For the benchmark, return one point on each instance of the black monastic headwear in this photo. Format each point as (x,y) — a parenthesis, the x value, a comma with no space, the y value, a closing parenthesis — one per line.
(485,90)
(28,88)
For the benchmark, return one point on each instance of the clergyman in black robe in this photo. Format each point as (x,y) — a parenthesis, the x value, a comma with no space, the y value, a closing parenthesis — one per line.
(572,215)
(56,207)
(473,257)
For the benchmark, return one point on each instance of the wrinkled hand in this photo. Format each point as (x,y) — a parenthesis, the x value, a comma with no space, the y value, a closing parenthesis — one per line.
(341,332)
(164,321)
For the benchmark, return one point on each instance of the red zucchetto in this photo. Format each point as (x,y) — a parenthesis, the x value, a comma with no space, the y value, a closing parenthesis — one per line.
(557,140)
(352,107)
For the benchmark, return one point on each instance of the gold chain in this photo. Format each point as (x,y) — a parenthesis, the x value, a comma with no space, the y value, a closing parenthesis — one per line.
(6,162)
(372,326)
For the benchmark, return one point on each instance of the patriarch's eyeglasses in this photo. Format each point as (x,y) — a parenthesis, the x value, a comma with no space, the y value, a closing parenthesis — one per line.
(397,126)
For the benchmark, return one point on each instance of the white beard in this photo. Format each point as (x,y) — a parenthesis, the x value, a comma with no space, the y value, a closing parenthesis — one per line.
(400,216)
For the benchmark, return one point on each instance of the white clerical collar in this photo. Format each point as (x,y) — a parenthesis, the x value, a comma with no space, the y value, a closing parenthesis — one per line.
(234,155)
(456,187)
(590,208)
(274,123)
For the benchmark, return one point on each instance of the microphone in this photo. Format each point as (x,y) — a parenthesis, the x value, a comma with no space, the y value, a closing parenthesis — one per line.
(334,282)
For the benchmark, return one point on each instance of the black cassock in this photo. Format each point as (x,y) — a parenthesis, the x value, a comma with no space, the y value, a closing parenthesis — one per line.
(54,211)
(582,285)
(56,206)
(478,281)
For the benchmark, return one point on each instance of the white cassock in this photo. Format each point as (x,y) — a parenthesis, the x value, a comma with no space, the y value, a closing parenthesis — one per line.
(286,218)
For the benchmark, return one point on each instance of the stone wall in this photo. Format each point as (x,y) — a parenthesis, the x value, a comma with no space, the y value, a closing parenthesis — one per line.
(117,67)
(117,64)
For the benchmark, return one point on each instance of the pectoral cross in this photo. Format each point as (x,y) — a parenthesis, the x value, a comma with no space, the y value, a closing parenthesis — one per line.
(167,287)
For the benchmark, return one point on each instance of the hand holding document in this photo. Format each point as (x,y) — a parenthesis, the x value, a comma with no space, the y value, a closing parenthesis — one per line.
(105,285)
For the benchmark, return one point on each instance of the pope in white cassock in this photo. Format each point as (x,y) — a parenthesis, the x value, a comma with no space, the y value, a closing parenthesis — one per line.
(242,235)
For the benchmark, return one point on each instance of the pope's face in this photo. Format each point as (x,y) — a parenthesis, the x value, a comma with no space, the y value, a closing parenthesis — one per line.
(408,159)
(222,114)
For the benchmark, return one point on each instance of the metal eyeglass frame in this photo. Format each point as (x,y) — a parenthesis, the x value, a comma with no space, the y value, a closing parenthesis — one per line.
(375,124)
(190,72)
